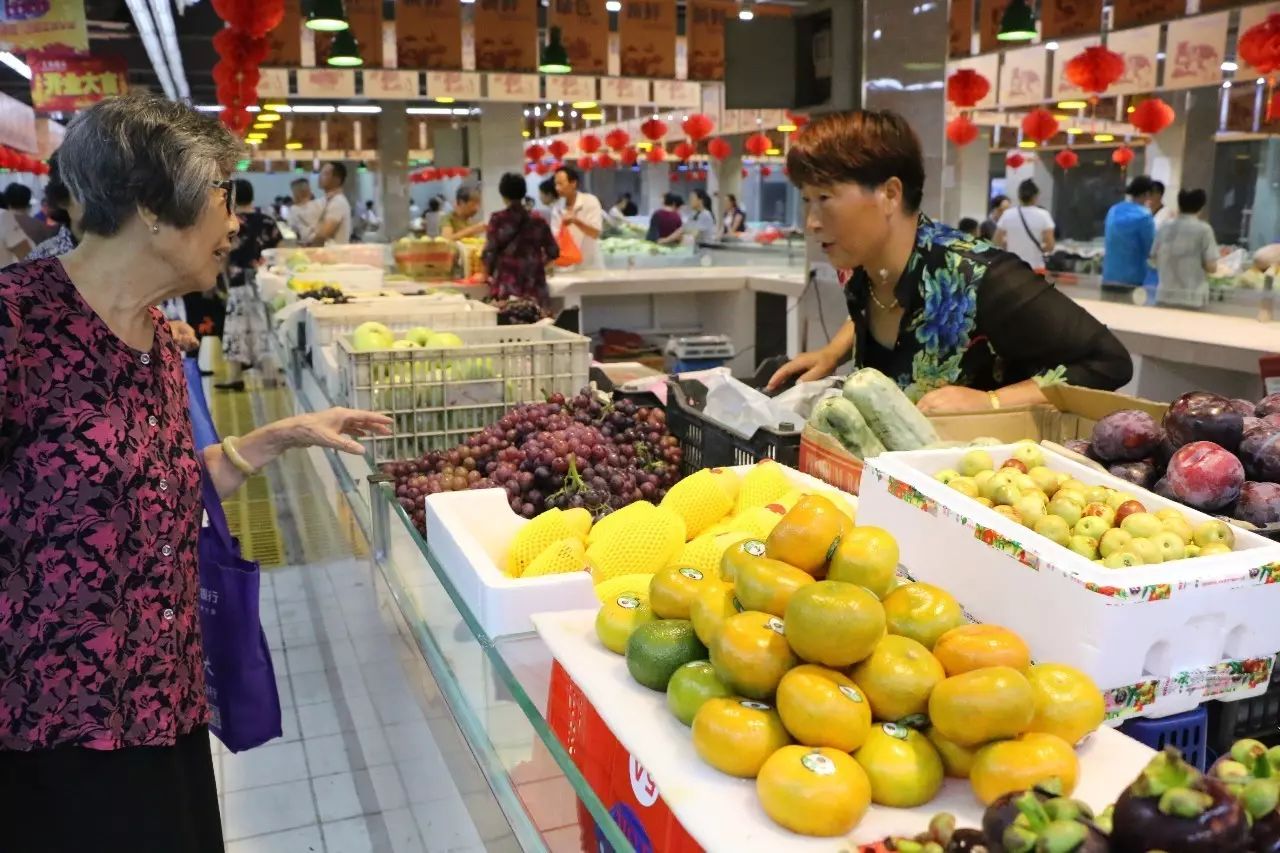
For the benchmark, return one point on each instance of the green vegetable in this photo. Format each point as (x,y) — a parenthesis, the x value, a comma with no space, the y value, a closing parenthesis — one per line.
(891,415)
(837,417)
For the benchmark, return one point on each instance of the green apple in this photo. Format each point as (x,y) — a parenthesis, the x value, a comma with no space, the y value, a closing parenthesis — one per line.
(1193,550)
(946,475)
(974,461)
(1006,495)
(995,481)
(1091,526)
(1214,548)
(1066,510)
(1213,532)
(1029,453)
(1054,528)
(1009,513)
(982,477)
(987,502)
(1122,560)
(444,340)
(1166,514)
(1147,549)
(1114,540)
(1100,510)
(1045,479)
(371,336)
(404,343)
(1178,524)
(1085,546)
(1097,494)
(1074,485)
(419,335)
(1142,525)
(1025,483)
(1171,545)
(1032,507)
(1073,495)
(1116,498)
(965,486)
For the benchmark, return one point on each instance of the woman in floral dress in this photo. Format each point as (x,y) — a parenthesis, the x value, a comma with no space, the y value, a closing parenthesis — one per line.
(959,324)
(517,247)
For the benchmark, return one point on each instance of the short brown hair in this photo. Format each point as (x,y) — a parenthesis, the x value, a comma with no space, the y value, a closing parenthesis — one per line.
(864,147)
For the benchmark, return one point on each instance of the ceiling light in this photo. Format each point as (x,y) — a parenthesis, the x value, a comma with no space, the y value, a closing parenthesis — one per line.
(162,13)
(1051,45)
(876,34)
(360,109)
(463,111)
(327,16)
(209,108)
(276,108)
(445,99)
(1072,131)
(1027,143)
(772,152)
(1230,66)
(1061,117)
(1072,105)
(613,5)
(583,105)
(314,108)
(262,125)
(593,116)
(429,111)
(1160,54)
(526,134)
(151,42)
(257,136)
(1226,84)
(573,113)
(1018,23)
(293,146)
(1131,108)
(345,51)
(553,122)
(745,14)
(787,127)
(1104,137)
(554,58)
(252,142)
(16,64)
(269,118)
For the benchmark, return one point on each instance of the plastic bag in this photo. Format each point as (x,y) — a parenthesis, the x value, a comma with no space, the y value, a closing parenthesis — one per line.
(570,253)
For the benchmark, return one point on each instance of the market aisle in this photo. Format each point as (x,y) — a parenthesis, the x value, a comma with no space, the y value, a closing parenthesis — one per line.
(370,759)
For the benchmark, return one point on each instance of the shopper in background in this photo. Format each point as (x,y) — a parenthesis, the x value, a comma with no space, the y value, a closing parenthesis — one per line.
(1160,212)
(18,198)
(463,221)
(1184,253)
(961,326)
(431,219)
(699,226)
(666,220)
(581,215)
(414,210)
(999,204)
(624,206)
(1128,233)
(244,335)
(734,220)
(547,199)
(304,215)
(370,220)
(518,247)
(57,200)
(968,225)
(1027,230)
(333,224)
(104,717)
(14,244)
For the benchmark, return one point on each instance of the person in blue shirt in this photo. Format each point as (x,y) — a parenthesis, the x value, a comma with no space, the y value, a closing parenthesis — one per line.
(1129,232)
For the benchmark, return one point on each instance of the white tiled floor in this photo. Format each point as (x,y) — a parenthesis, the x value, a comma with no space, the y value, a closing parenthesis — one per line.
(359,769)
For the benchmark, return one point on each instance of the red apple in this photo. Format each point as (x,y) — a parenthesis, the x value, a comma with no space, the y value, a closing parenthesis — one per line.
(1127,509)
(1015,463)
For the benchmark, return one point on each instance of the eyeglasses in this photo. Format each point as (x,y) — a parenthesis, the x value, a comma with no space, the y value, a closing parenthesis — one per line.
(230,187)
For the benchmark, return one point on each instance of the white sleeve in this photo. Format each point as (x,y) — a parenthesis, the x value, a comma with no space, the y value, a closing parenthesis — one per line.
(13,234)
(590,213)
(1048,220)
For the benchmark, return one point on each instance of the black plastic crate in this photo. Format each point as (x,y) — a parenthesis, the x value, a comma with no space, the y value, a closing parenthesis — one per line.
(1258,717)
(706,444)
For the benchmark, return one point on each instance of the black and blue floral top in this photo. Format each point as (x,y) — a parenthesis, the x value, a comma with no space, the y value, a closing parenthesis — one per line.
(979,317)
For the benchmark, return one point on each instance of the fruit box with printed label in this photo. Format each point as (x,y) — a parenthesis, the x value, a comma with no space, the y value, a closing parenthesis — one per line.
(1158,638)
(470,533)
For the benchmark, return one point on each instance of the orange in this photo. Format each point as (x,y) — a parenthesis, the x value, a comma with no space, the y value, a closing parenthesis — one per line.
(833,623)
(767,585)
(736,736)
(821,792)
(898,678)
(1068,702)
(1018,765)
(713,604)
(982,705)
(751,654)
(975,646)
(922,612)
(867,556)
(808,534)
(903,767)
(744,551)
(673,589)
(957,760)
(822,707)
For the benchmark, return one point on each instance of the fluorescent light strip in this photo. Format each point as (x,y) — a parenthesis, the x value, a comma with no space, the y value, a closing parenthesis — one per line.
(428,111)
(15,63)
(314,108)
(147,31)
(360,109)
(163,17)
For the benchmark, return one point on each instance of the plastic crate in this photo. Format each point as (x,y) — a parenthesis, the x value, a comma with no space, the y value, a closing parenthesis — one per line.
(707,444)
(1188,731)
(398,313)
(1257,717)
(438,397)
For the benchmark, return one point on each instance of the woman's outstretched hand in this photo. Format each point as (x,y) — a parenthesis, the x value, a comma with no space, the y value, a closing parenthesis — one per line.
(336,429)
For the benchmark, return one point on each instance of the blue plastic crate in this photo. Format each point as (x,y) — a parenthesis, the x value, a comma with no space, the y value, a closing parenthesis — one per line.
(1187,731)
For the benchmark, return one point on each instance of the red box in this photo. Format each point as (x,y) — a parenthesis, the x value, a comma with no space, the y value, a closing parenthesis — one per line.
(839,469)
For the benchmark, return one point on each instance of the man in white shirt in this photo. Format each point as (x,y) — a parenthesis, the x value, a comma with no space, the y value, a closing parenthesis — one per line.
(334,225)
(304,214)
(1026,230)
(582,214)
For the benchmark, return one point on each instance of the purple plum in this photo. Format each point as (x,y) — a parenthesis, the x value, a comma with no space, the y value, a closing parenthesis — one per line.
(1081,446)
(1259,503)
(1268,405)
(1251,423)
(1205,475)
(1141,473)
(1163,489)
(1272,420)
(1244,407)
(1126,436)
(1202,416)
(1260,453)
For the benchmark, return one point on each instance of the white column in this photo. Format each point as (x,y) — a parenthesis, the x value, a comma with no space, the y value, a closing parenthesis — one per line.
(965,180)
(393,169)
(500,148)
(655,182)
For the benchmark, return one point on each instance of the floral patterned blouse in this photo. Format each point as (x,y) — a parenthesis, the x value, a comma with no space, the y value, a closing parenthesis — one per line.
(979,317)
(99,516)
(518,246)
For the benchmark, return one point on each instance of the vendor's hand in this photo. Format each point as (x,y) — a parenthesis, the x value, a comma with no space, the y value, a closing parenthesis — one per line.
(331,428)
(954,398)
(184,336)
(568,219)
(808,365)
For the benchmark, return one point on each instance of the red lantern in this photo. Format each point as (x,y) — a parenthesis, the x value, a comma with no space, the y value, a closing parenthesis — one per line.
(535,152)
(765,171)
(240,47)
(967,87)
(1067,159)
(1095,69)
(255,17)
(683,151)
(1039,124)
(585,164)
(617,139)
(237,119)
(656,154)
(961,131)
(757,144)
(1260,45)
(798,120)
(654,129)
(719,149)
(697,127)
(1151,116)
(589,143)
(1122,156)
(629,156)
(604,161)
(1015,161)
(542,168)
(558,148)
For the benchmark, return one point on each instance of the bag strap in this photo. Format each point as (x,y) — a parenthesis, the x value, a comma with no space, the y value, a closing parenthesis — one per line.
(213,510)
(1027,228)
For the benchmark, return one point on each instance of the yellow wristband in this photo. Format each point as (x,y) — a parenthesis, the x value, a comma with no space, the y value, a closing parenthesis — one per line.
(232,452)
(994,398)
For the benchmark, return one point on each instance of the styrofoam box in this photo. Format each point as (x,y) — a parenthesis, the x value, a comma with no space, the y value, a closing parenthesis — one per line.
(470,533)
(1158,639)
(324,364)
(398,313)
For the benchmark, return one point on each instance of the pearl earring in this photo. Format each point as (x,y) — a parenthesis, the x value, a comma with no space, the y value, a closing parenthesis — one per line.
(155,229)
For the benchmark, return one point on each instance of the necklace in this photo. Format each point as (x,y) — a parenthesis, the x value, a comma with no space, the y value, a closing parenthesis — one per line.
(881,305)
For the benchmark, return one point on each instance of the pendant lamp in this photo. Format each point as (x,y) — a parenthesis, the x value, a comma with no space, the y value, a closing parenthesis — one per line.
(327,16)
(555,59)
(345,51)
(1018,23)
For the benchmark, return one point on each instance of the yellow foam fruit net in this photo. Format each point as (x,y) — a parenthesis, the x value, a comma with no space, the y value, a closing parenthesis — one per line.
(534,538)
(637,547)
(618,518)
(764,483)
(729,480)
(699,500)
(702,553)
(637,585)
(579,520)
(757,522)
(562,557)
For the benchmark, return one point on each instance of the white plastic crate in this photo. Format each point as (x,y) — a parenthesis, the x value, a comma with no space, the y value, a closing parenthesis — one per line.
(326,322)
(369,254)
(1158,639)
(324,364)
(470,533)
(438,397)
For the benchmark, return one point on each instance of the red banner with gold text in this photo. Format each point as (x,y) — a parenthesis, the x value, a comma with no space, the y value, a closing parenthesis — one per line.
(1069,18)
(584,26)
(66,84)
(284,43)
(506,35)
(429,34)
(1131,13)
(704,26)
(647,38)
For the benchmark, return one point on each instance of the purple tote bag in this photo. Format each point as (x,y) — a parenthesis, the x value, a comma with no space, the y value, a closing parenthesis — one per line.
(240,682)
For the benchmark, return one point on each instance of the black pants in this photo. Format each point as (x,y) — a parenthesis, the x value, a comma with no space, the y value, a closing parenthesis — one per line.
(159,799)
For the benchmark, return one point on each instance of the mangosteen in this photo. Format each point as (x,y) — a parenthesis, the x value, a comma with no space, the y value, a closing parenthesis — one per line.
(1173,807)
(1057,825)
(1003,811)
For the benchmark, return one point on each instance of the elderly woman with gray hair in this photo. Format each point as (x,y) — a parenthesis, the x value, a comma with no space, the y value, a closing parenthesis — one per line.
(104,740)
